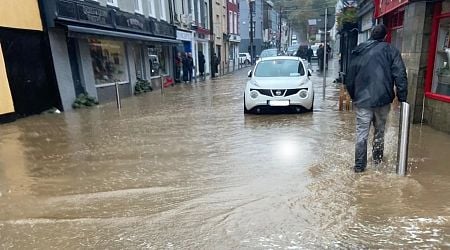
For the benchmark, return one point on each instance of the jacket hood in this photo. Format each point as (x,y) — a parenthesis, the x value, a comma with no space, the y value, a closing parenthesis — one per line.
(364,47)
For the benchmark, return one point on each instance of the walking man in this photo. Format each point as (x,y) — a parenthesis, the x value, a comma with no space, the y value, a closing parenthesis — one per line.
(201,64)
(375,69)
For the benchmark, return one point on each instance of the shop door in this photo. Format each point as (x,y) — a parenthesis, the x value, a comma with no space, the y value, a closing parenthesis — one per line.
(138,62)
(30,72)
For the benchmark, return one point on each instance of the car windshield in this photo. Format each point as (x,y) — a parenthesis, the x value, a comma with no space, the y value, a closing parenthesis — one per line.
(279,68)
(242,55)
(269,52)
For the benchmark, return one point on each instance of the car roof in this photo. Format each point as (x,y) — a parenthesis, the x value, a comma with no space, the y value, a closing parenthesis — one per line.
(270,58)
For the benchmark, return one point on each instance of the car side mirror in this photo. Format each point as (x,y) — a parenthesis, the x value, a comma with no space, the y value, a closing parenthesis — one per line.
(249,74)
(309,73)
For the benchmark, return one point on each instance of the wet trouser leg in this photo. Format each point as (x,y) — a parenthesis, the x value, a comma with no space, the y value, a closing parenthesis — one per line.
(363,120)
(379,122)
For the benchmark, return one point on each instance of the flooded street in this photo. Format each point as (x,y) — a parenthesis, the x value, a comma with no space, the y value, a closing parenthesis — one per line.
(188,170)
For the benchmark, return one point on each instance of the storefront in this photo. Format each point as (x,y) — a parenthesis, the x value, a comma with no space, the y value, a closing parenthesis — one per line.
(95,46)
(189,45)
(202,40)
(27,84)
(437,85)
(234,52)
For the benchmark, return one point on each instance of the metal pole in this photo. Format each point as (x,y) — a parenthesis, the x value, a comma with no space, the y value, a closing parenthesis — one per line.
(119,105)
(252,55)
(325,55)
(403,139)
(279,33)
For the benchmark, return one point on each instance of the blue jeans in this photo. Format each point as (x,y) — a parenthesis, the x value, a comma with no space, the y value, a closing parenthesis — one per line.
(364,118)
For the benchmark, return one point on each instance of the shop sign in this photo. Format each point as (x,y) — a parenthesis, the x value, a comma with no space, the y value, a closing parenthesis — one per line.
(130,21)
(184,36)
(164,29)
(235,38)
(83,12)
(383,7)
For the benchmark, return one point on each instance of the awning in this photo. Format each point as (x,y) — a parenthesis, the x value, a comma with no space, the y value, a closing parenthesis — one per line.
(84,32)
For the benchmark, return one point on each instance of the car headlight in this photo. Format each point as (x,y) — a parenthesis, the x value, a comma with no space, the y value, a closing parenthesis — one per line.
(254,94)
(303,93)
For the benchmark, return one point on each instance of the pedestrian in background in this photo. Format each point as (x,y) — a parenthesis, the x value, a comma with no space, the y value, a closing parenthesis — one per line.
(201,64)
(302,52)
(178,67)
(376,67)
(309,54)
(215,65)
(320,52)
(185,66)
(190,66)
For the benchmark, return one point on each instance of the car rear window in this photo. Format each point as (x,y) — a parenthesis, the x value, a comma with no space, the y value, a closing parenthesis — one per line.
(268,53)
(279,68)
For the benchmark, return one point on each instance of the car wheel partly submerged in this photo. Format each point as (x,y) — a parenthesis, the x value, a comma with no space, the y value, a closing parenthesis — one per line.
(246,111)
(312,106)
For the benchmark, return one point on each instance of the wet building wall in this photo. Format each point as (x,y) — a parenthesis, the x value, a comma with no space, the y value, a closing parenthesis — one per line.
(63,69)
(411,30)
(6,102)
(28,69)
(417,49)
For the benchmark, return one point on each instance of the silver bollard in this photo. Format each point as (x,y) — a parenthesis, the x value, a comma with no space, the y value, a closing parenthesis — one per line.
(119,105)
(403,139)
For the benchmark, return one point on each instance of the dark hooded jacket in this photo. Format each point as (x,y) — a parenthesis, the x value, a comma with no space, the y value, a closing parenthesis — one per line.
(374,70)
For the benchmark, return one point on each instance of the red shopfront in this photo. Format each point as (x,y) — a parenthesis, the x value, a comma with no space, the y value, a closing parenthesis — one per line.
(391,13)
(437,82)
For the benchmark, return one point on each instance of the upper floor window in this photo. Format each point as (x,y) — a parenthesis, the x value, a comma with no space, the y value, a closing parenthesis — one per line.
(151,8)
(112,2)
(138,6)
(163,10)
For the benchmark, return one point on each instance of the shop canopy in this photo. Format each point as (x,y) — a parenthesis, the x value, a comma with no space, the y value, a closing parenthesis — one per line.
(85,32)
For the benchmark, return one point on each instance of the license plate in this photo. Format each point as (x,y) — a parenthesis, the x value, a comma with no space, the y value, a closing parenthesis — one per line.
(279,103)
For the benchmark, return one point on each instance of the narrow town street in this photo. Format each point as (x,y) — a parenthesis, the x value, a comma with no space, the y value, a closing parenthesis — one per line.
(187,169)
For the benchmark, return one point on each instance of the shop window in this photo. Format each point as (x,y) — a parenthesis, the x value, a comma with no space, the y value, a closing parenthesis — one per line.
(441,78)
(158,60)
(108,61)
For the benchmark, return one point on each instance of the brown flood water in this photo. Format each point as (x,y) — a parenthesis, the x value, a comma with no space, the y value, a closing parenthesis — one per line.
(187,170)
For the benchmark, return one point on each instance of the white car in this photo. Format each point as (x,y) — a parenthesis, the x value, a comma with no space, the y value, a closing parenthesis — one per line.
(244,58)
(281,81)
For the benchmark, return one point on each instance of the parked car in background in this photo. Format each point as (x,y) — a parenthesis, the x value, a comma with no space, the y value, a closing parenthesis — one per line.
(291,50)
(314,48)
(268,53)
(279,82)
(245,58)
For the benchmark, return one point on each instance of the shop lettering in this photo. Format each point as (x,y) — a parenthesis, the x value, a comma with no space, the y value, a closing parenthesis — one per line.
(132,22)
(94,15)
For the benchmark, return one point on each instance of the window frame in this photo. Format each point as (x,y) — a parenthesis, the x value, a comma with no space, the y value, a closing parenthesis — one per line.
(162,11)
(114,3)
(151,8)
(437,17)
(138,9)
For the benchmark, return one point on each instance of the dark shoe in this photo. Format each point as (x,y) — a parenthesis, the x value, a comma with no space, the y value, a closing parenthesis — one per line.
(359,169)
